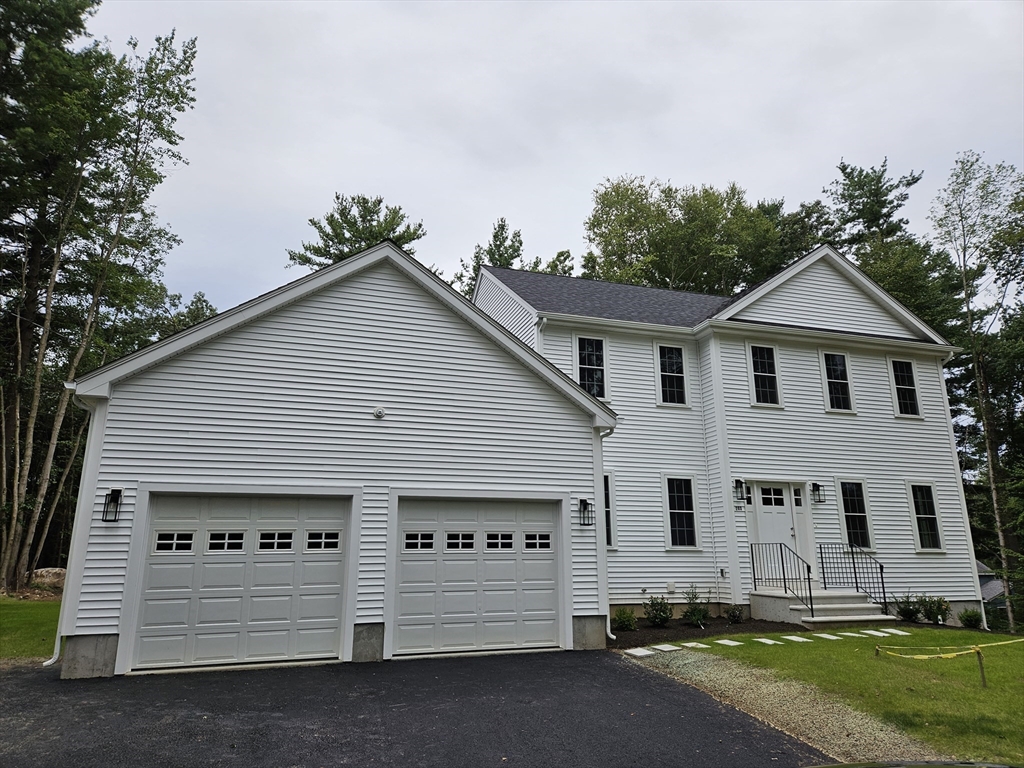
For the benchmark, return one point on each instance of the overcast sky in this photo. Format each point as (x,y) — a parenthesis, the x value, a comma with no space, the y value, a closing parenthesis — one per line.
(465,112)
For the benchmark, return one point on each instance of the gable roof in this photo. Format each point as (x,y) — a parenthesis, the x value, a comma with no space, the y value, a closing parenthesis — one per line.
(99,382)
(609,301)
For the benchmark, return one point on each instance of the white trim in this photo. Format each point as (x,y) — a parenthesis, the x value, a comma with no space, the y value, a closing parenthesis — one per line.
(669,546)
(912,507)
(841,507)
(656,345)
(604,367)
(889,360)
(99,382)
(604,325)
(852,410)
(851,272)
(781,405)
(132,595)
(729,508)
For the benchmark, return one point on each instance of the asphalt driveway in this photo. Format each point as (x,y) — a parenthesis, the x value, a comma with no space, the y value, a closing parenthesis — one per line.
(549,709)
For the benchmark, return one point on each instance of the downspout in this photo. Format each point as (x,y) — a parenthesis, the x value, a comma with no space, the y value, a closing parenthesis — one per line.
(63,603)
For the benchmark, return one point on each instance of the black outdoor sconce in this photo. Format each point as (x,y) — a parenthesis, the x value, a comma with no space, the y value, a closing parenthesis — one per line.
(738,491)
(817,493)
(586,512)
(112,505)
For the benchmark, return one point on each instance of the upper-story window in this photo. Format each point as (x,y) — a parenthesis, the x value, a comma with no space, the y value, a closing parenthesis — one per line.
(905,387)
(590,362)
(837,382)
(672,383)
(766,377)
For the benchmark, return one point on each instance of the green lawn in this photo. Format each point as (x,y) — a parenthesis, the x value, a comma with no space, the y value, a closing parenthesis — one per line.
(939,701)
(27,628)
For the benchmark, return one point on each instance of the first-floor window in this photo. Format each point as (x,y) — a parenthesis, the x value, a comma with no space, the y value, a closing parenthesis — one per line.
(927,517)
(608,538)
(682,521)
(855,510)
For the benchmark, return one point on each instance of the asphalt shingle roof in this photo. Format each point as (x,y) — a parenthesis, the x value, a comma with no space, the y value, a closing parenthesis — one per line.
(610,301)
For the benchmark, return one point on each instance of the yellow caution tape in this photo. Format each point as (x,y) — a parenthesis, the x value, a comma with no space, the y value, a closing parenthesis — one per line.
(969,649)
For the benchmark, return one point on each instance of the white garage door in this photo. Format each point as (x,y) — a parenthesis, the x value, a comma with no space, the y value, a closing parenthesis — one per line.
(476,575)
(233,579)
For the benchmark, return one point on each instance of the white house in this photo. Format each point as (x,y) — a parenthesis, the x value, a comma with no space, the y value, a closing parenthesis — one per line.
(798,434)
(356,466)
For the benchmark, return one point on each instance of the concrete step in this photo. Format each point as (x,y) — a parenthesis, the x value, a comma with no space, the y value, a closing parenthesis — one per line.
(822,622)
(838,609)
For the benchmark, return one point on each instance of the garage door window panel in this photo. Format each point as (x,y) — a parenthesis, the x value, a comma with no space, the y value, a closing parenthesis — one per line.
(419,541)
(174,542)
(537,541)
(500,541)
(276,541)
(225,541)
(459,541)
(323,541)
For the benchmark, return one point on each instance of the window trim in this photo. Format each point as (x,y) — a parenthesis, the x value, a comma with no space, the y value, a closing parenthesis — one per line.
(192,550)
(323,551)
(669,546)
(852,410)
(219,552)
(489,532)
(750,375)
(941,549)
(258,550)
(419,532)
(612,518)
(576,363)
(919,416)
(657,345)
(549,541)
(841,508)
(461,550)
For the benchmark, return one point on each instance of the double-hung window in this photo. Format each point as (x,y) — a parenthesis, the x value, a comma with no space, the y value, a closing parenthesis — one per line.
(905,388)
(837,381)
(926,517)
(766,377)
(855,514)
(682,515)
(591,365)
(672,377)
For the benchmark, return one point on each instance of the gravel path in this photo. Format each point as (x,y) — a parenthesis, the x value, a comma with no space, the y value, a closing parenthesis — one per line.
(796,708)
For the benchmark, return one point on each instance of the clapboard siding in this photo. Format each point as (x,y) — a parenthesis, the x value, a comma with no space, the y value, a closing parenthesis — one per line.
(507,308)
(803,443)
(821,297)
(288,399)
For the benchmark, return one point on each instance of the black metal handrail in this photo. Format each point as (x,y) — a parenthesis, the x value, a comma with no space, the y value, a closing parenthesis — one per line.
(776,565)
(848,565)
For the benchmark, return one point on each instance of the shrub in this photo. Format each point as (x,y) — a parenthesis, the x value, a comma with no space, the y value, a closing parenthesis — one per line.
(907,608)
(697,611)
(624,620)
(734,613)
(934,609)
(970,618)
(658,611)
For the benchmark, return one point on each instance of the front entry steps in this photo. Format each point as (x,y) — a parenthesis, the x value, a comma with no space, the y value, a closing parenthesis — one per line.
(831,608)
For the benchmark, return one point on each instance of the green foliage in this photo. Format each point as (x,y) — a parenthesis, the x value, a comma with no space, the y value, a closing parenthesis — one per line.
(866,201)
(505,249)
(907,608)
(353,225)
(934,609)
(697,611)
(735,614)
(28,628)
(624,620)
(969,618)
(658,611)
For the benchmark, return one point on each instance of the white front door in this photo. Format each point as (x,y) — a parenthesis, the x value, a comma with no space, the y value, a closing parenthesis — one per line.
(774,504)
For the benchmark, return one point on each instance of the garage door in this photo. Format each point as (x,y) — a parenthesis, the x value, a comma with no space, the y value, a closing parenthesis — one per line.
(476,575)
(232,579)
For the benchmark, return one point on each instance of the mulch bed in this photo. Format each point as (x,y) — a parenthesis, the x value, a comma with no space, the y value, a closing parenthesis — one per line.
(677,629)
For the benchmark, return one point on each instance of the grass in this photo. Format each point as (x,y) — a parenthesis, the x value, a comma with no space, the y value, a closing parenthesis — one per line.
(28,628)
(939,701)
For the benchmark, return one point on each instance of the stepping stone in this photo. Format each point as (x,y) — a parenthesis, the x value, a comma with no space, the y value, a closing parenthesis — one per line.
(797,639)
(894,632)
(828,637)
(851,634)
(639,652)
(666,648)
(766,641)
(727,642)
(875,633)
(696,645)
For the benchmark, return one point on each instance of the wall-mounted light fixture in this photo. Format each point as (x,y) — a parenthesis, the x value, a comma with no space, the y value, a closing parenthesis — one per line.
(112,505)
(817,493)
(586,512)
(738,491)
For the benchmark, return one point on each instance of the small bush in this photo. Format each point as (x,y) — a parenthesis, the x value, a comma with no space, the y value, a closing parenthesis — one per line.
(734,613)
(624,620)
(697,612)
(907,608)
(658,611)
(934,609)
(969,618)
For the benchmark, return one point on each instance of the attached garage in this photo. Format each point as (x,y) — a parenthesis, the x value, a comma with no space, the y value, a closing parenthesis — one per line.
(231,579)
(476,575)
